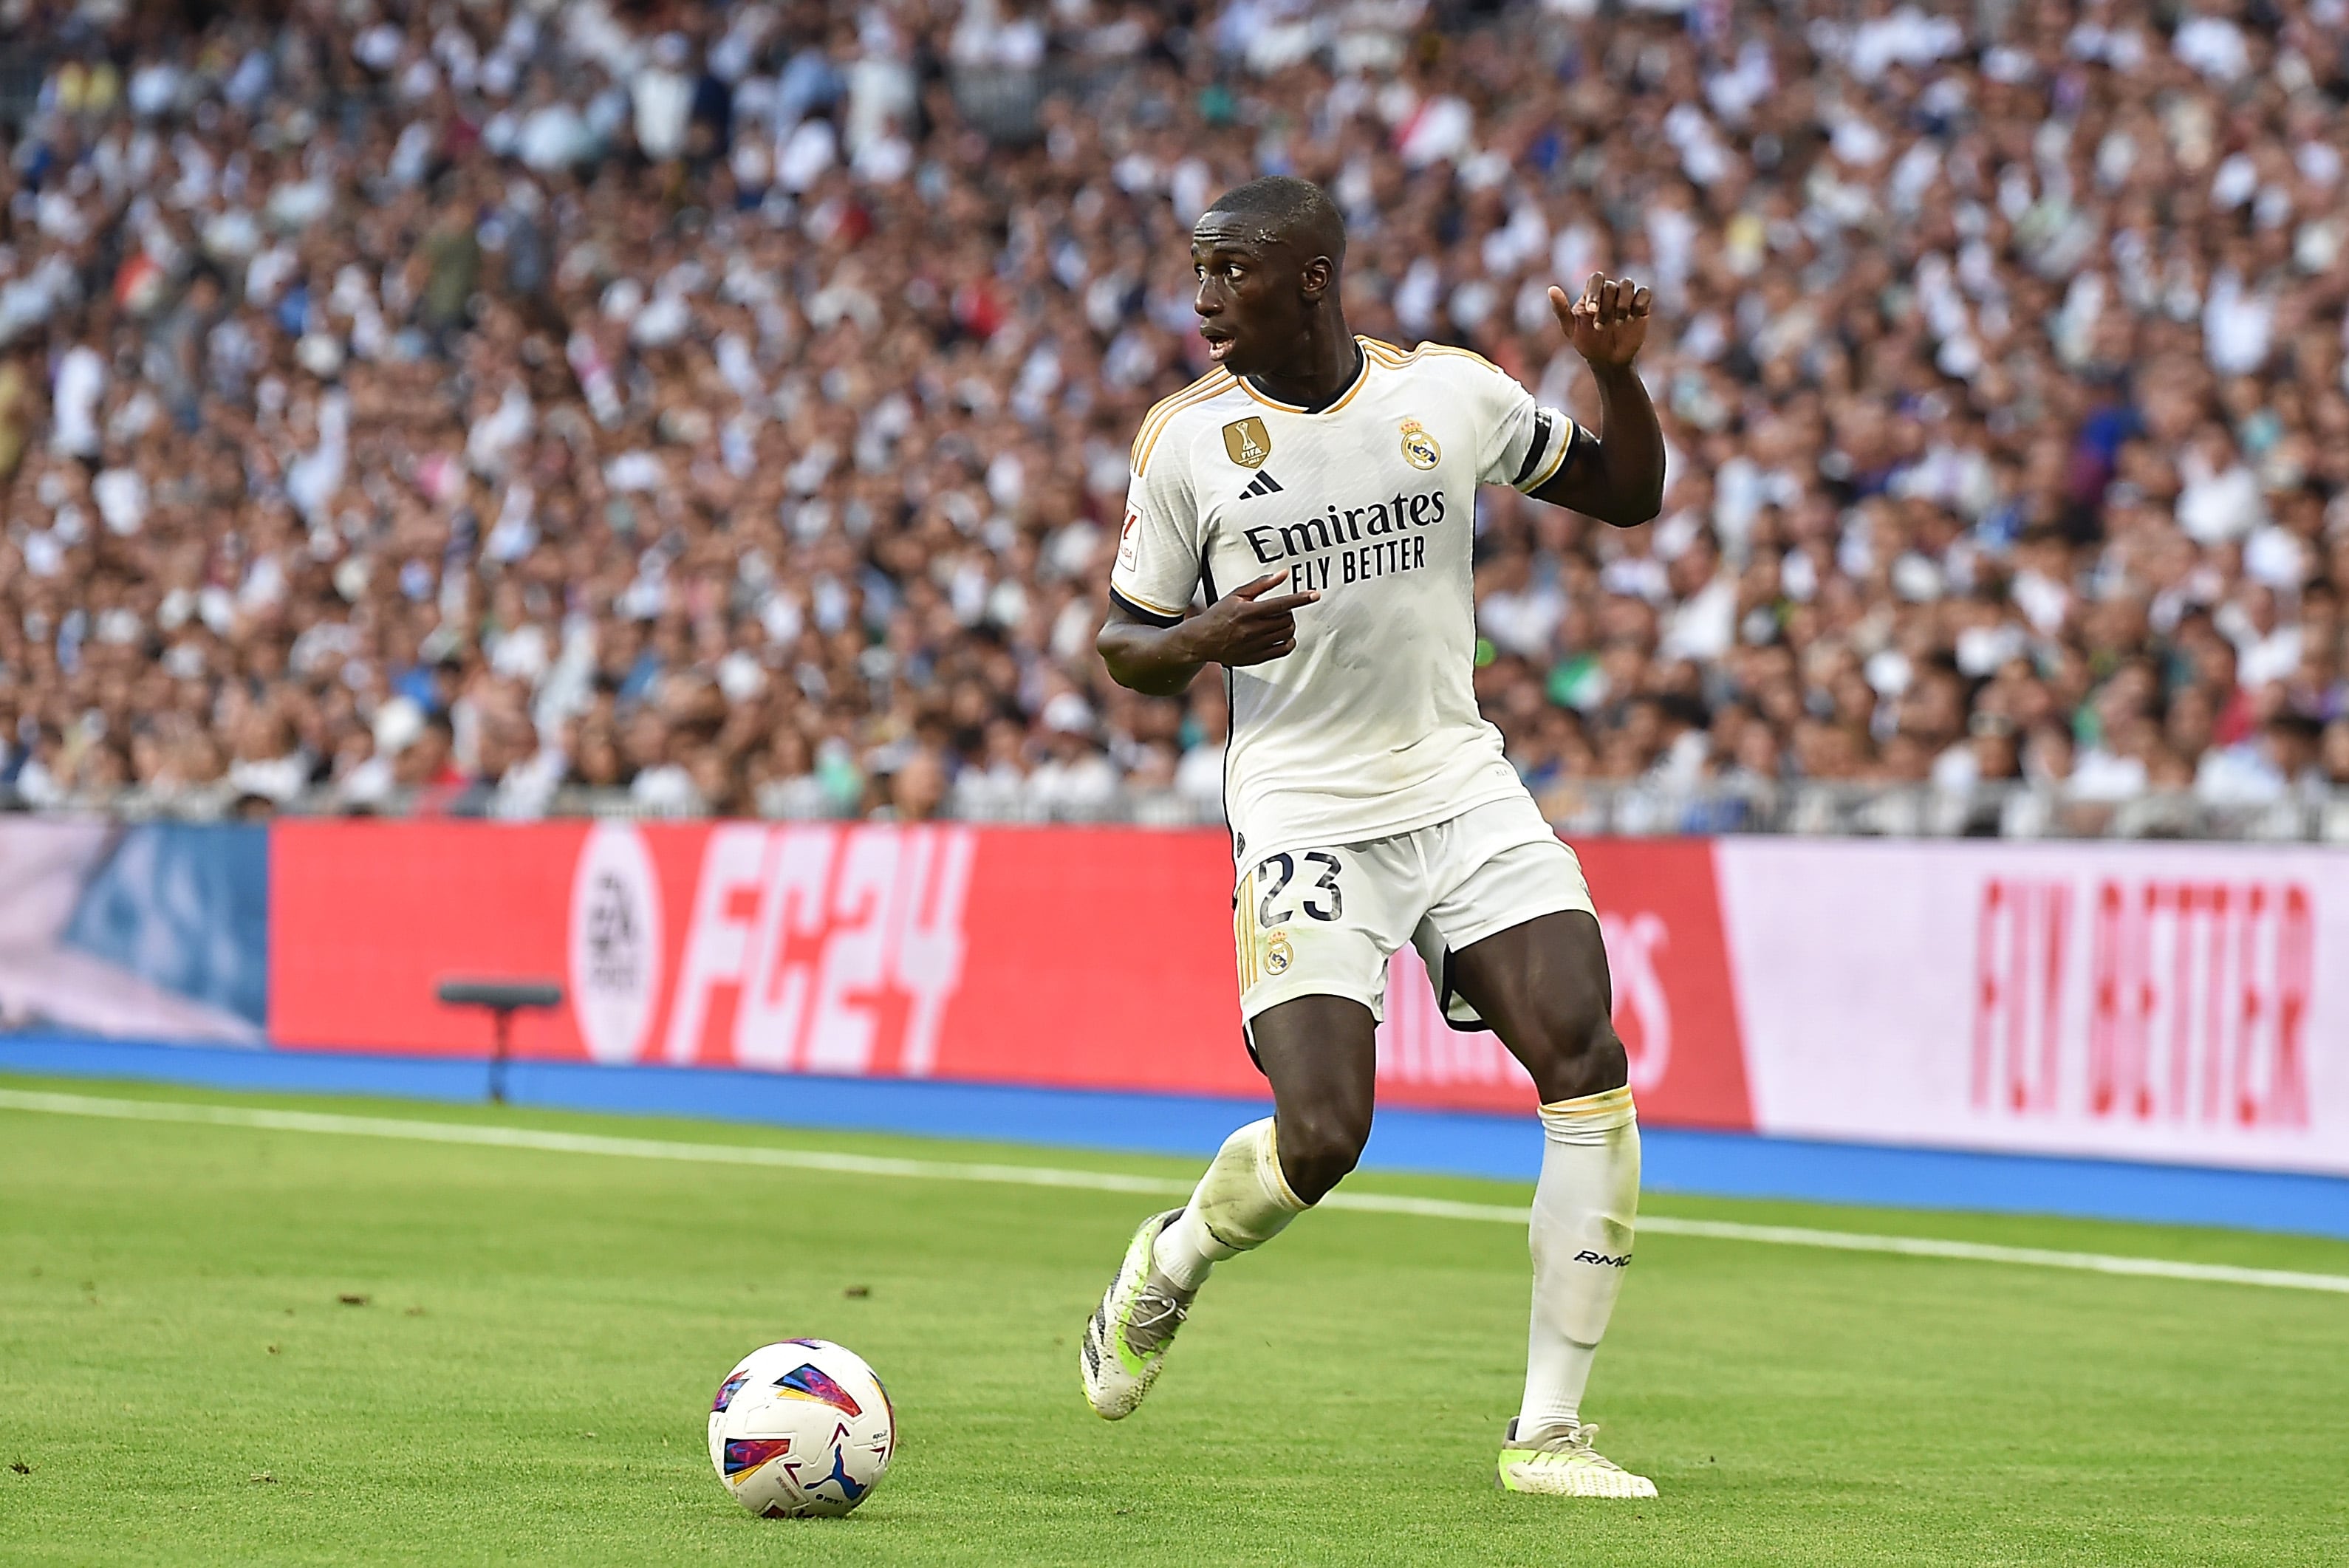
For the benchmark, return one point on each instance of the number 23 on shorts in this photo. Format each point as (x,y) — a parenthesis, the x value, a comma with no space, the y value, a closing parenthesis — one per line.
(1282,887)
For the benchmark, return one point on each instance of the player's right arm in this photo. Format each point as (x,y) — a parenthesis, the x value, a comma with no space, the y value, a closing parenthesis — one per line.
(1243,627)
(1621,480)
(1151,643)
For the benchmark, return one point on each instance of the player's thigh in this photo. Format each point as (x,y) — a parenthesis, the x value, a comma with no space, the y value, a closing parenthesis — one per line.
(1522,946)
(1542,986)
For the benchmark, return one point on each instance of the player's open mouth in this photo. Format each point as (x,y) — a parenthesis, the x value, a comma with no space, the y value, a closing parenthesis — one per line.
(1217,348)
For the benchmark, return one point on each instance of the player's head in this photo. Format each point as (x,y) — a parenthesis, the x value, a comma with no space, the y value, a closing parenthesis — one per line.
(1267,256)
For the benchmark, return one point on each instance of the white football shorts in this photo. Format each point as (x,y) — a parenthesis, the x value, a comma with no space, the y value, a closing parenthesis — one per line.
(1324,922)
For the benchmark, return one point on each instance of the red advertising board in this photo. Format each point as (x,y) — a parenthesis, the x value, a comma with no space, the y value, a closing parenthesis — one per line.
(1077,958)
(1674,1008)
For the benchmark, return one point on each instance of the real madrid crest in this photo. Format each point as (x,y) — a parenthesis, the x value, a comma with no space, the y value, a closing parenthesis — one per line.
(1419,447)
(1276,954)
(1248,441)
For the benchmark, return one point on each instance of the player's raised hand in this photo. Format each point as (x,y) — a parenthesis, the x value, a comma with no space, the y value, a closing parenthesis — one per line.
(1607,323)
(1244,627)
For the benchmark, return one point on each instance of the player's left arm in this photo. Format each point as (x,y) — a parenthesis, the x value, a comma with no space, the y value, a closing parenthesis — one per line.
(1616,473)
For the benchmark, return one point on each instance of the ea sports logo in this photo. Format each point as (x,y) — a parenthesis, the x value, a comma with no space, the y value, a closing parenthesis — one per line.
(616,941)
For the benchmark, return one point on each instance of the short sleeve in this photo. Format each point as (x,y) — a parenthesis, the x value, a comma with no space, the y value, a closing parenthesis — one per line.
(1157,566)
(1521,443)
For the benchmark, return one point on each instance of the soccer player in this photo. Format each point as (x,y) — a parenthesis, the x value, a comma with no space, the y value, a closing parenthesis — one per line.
(1318,489)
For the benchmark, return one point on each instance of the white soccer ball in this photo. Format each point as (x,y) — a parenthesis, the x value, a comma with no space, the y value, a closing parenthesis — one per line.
(801,1428)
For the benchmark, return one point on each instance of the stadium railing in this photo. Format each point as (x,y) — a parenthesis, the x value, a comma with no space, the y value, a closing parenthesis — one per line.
(1641,808)
(1636,809)
(22,71)
(1007,103)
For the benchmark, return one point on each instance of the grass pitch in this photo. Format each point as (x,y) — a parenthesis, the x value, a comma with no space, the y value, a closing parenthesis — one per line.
(525,1371)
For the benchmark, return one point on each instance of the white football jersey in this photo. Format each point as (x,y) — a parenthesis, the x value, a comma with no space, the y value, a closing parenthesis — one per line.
(1369,727)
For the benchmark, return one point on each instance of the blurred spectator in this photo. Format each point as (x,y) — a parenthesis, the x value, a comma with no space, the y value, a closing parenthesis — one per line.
(918,789)
(1074,778)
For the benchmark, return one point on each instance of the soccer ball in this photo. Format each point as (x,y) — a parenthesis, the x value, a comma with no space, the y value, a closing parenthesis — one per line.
(801,1428)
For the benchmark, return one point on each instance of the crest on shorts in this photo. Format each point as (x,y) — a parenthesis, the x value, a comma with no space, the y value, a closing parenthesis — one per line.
(1248,441)
(1419,447)
(1276,955)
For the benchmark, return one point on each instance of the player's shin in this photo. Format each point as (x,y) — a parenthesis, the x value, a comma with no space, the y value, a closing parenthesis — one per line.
(1242,1203)
(1584,1207)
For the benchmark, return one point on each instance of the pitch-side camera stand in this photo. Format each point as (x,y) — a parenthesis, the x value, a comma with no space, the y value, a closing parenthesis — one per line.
(503,998)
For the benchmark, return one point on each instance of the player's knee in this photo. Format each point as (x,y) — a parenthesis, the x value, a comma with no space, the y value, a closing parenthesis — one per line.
(1583,1054)
(1318,1151)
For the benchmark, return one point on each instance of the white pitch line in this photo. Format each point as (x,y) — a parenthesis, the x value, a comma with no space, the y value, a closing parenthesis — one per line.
(1112,1182)
(579,1142)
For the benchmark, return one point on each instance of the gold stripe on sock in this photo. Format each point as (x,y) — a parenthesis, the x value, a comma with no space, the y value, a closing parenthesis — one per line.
(1275,1176)
(1591,1117)
(1606,1102)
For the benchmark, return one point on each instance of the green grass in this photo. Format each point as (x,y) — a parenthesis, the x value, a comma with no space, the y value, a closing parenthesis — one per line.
(530,1376)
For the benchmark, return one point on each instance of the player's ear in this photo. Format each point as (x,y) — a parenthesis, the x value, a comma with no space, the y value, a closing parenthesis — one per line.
(1315,278)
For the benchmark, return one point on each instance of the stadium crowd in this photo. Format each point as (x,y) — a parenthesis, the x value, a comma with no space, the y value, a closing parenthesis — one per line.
(446,404)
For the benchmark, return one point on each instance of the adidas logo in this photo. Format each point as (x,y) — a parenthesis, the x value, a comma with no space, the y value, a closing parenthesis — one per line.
(1263,484)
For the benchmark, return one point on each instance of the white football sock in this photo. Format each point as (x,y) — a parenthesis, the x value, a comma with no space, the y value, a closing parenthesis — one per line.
(1584,1208)
(1242,1203)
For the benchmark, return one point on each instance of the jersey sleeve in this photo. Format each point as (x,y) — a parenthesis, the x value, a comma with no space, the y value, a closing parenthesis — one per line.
(1158,546)
(1520,443)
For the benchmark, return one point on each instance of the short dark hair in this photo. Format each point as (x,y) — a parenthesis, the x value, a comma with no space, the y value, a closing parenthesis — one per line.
(1293,209)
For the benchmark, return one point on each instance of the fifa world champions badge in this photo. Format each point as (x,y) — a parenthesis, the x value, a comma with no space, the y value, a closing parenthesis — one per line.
(1248,442)
(1419,447)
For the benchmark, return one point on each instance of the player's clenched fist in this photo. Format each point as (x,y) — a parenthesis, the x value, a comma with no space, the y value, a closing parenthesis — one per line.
(1246,628)
(1607,323)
